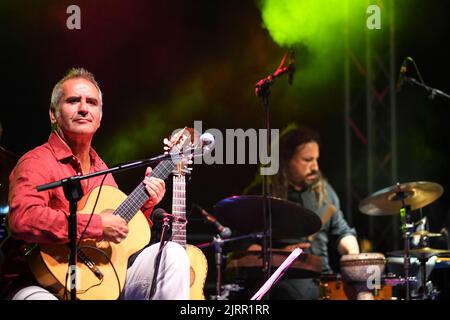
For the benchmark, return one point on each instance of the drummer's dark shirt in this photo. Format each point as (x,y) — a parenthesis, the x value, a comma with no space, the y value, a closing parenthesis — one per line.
(333,230)
(327,238)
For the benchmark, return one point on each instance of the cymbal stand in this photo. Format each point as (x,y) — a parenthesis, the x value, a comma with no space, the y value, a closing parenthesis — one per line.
(407,228)
(423,264)
(218,243)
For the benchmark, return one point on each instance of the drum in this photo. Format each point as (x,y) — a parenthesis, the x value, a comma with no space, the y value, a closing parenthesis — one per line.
(363,273)
(248,264)
(440,277)
(332,287)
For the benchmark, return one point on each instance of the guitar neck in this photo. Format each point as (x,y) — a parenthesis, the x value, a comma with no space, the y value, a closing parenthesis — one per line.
(179,209)
(139,195)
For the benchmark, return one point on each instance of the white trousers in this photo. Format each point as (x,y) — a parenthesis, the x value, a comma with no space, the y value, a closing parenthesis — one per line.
(172,282)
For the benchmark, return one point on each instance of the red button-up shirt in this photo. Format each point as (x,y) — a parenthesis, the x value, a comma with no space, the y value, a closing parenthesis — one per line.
(41,217)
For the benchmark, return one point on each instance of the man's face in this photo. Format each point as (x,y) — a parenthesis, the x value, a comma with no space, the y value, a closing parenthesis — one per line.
(79,111)
(303,169)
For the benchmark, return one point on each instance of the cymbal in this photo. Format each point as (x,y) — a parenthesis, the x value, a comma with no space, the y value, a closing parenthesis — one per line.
(389,200)
(245,214)
(420,252)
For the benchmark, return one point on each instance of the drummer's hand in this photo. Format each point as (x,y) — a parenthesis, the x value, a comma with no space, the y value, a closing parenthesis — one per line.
(304,245)
(301,245)
(348,245)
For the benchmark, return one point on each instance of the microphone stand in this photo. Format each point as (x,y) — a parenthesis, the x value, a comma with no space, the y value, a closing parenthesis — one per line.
(73,193)
(162,243)
(218,257)
(262,90)
(407,228)
(432,91)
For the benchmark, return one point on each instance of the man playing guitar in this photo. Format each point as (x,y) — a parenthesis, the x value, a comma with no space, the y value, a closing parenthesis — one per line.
(40,218)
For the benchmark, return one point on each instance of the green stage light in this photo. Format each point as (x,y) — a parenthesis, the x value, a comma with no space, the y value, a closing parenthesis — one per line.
(318,29)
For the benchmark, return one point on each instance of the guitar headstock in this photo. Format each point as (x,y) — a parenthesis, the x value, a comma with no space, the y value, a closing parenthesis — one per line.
(181,145)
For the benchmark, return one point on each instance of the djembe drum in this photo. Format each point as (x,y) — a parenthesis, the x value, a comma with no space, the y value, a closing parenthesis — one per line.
(359,271)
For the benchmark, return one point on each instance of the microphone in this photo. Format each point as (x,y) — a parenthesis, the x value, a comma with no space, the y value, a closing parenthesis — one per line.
(291,68)
(207,140)
(224,232)
(402,73)
(159,214)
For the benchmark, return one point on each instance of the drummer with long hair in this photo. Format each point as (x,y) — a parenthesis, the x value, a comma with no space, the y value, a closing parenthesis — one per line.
(300,180)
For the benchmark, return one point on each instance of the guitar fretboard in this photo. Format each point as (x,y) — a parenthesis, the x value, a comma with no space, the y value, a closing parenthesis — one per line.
(139,195)
(179,209)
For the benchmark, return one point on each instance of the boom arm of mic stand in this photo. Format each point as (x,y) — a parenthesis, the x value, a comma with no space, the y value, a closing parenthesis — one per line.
(262,86)
(126,166)
(433,91)
(251,235)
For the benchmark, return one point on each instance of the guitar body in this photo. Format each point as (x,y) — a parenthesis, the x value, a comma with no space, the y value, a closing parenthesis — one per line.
(198,271)
(49,263)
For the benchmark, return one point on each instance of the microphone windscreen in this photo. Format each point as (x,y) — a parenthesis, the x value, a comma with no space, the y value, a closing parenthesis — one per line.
(158,214)
(207,140)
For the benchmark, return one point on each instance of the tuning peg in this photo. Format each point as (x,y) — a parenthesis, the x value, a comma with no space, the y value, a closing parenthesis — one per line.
(166,148)
(187,171)
(166,141)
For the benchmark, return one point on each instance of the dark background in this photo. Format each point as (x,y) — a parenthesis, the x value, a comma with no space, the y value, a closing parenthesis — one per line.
(162,65)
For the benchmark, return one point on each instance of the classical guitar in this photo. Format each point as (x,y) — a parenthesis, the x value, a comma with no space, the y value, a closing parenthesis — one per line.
(198,262)
(102,265)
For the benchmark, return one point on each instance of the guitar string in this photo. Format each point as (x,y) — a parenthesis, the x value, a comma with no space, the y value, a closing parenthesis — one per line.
(139,195)
(179,187)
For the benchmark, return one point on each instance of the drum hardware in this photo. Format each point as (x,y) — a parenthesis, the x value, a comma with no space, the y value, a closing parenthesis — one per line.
(218,244)
(426,233)
(291,220)
(423,255)
(245,214)
(399,281)
(227,289)
(402,198)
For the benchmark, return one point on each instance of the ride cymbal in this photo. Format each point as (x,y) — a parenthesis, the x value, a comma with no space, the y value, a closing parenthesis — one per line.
(390,200)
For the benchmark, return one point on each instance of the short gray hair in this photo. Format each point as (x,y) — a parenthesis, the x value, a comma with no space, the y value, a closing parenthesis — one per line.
(72,74)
